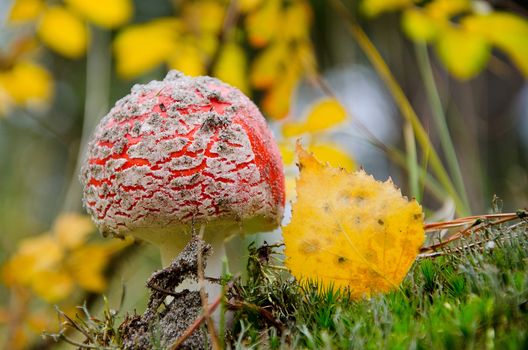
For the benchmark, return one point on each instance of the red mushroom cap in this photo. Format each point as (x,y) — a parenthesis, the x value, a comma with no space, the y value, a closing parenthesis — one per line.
(180,151)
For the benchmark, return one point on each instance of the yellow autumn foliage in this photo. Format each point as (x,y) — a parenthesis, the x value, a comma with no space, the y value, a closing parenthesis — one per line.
(187,58)
(63,31)
(24,83)
(25,10)
(267,68)
(418,26)
(508,32)
(375,7)
(323,115)
(53,263)
(107,14)
(296,21)
(463,53)
(141,47)
(231,66)
(332,154)
(205,16)
(350,231)
(263,23)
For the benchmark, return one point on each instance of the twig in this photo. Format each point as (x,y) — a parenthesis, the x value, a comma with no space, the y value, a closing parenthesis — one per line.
(479,223)
(230,19)
(467,246)
(435,226)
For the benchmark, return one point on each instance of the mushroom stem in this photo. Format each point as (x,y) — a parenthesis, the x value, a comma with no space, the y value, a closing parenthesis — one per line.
(171,248)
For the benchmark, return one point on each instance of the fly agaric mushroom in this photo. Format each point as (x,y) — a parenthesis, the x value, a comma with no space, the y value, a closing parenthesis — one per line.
(180,152)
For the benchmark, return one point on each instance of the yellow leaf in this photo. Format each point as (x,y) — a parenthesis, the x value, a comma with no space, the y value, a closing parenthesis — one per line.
(72,230)
(375,7)
(88,263)
(289,188)
(39,322)
(276,102)
(445,9)
(350,231)
(188,59)
(296,21)
(463,53)
(142,47)
(205,16)
(263,23)
(506,31)
(27,82)
(52,285)
(25,10)
(207,43)
(287,154)
(246,6)
(231,66)
(269,65)
(333,155)
(323,115)
(63,32)
(104,13)
(34,255)
(418,25)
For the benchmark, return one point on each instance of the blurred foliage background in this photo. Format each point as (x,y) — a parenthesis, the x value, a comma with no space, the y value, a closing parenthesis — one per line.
(432,93)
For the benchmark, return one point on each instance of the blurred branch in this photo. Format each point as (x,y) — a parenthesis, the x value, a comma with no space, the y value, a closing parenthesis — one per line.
(403,103)
(412,160)
(392,153)
(98,73)
(230,21)
(439,117)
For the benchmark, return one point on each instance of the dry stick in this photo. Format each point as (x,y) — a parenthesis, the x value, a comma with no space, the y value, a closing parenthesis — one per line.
(190,330)
(435,226)
(203,295)
(458,249)
(475,227)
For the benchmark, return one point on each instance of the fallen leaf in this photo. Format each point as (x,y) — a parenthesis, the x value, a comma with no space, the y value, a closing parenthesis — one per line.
(350,231)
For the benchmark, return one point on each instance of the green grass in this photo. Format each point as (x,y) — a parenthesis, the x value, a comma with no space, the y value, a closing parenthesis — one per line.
(474,296)
(471,299)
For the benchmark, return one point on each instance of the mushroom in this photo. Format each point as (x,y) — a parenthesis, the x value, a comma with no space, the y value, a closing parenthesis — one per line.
(181,152)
